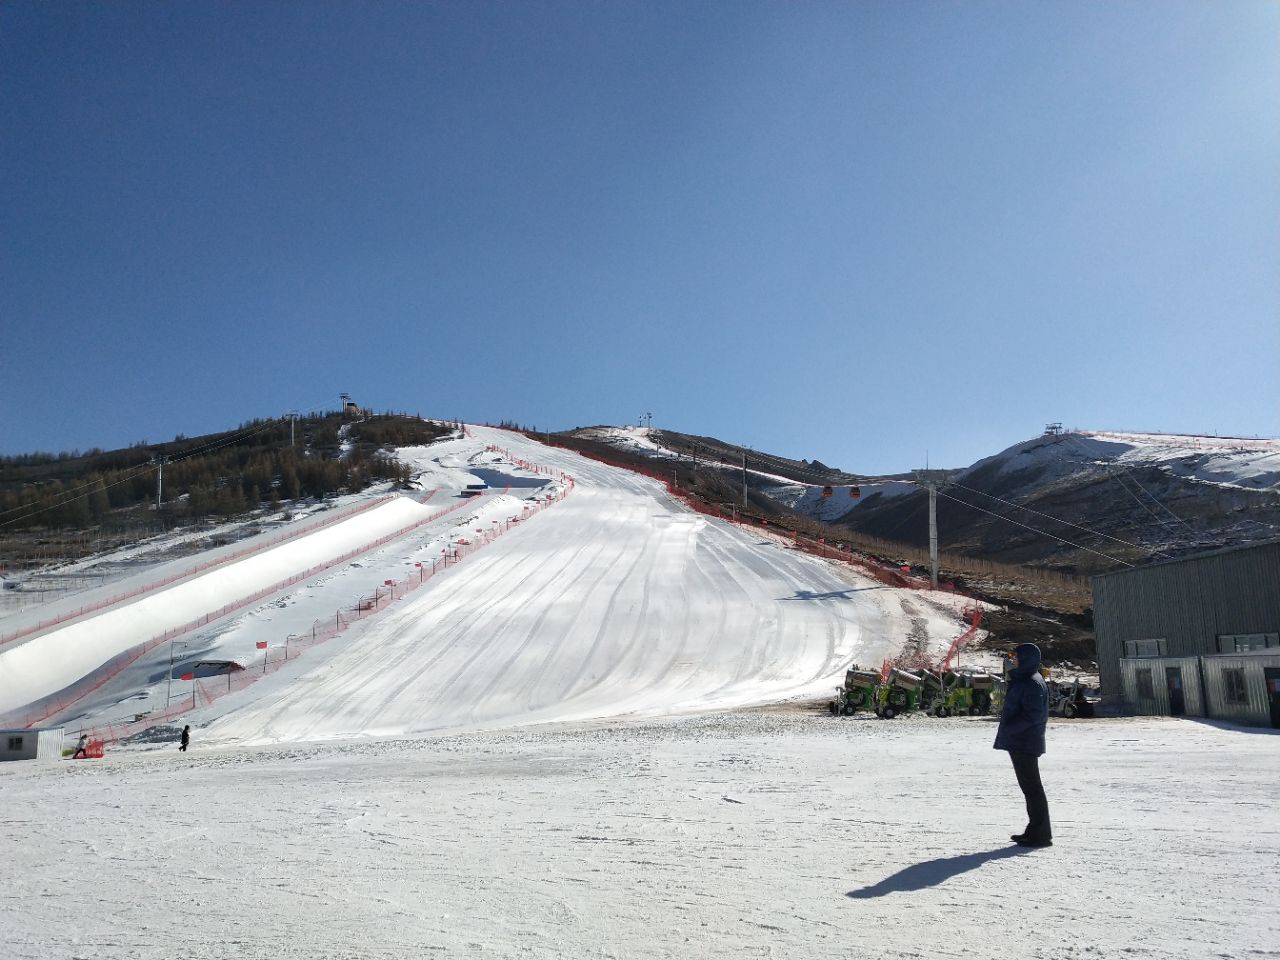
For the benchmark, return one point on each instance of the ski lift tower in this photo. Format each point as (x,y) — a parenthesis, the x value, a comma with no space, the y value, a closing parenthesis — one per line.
(933,481)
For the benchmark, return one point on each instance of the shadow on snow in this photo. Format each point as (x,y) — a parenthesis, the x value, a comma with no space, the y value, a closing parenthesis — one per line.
(933,872)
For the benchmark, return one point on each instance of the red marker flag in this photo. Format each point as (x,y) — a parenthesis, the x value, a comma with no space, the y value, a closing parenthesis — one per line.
(187,676)
(262,644)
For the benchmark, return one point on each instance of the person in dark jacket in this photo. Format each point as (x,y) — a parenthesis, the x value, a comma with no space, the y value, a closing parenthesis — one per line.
(186,738)
(1022,724)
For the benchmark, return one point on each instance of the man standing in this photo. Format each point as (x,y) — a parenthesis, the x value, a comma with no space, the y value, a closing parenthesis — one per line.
(1022,724)
(186,738)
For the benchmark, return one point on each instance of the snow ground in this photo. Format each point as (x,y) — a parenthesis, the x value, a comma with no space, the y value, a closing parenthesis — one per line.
(763,833)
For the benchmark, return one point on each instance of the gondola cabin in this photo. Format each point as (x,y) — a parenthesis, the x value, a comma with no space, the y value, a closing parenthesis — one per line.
(855,493)
(827,491)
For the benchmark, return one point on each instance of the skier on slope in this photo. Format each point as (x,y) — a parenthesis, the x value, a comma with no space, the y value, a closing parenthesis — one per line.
(1022,726)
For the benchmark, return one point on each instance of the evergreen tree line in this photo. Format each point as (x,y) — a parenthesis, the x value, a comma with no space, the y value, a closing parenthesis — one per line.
(220,475)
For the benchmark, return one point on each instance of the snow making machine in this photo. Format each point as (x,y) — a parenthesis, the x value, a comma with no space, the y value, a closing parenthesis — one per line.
(900,693)
(858,692)
(960,694)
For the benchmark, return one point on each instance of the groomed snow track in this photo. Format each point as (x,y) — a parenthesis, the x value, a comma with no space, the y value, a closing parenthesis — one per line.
(619,601)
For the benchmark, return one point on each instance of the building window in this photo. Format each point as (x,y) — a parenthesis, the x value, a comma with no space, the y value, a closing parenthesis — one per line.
(15,743)
(1233,681)
(1146,689)
(1239,642)
(1146,648)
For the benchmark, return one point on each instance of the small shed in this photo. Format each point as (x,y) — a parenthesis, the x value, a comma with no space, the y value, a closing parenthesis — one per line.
(1244,687)
(1163,686)
(41,743)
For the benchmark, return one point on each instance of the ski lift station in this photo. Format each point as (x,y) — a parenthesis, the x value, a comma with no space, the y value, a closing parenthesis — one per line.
(1198,636)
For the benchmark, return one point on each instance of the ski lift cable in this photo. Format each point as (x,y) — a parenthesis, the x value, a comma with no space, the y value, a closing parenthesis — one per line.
(1040,513)
(1035,530)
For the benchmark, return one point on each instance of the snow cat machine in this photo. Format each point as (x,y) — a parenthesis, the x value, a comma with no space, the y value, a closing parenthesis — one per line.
(858,692)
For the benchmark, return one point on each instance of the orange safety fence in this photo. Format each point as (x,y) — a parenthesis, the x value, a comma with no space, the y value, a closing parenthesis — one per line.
(868,565)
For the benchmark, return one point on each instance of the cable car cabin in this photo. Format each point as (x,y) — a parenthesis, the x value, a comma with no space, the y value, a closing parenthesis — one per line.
(855,492)
(827,491)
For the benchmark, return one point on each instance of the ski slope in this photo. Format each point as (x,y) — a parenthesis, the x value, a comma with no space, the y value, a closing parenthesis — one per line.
(617,601)
(50,661)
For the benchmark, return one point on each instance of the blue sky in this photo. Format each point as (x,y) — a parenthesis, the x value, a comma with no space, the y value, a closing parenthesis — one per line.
(848,231)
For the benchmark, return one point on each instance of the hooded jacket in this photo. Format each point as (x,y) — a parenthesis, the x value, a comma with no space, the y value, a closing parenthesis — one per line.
(1026,705)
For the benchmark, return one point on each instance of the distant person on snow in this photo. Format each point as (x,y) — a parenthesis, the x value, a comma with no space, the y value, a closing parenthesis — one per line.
(1022,725)
(186,738)
(82,748)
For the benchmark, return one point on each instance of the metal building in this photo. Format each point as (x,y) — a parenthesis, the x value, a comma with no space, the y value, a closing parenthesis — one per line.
(44,743)
(1197,636)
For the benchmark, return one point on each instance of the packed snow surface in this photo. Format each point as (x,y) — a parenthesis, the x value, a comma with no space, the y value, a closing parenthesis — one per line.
(49,661)
(753,834)
(618,600)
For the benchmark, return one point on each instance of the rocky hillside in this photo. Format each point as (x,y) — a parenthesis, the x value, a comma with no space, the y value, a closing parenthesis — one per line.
(1087,502)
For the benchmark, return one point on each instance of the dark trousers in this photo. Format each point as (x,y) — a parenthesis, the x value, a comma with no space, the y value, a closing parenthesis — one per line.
(1026,766)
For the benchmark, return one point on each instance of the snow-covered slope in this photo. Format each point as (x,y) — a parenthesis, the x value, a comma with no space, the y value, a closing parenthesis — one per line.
(1242,463)
(50,661)
(809,499)
(616,601)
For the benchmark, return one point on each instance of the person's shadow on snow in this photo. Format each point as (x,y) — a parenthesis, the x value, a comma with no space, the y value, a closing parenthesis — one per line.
(933,872)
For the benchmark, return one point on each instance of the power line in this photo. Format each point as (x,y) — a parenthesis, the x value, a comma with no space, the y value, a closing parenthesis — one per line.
(145,468)
(1039,513)
(1112,465)
(999,516)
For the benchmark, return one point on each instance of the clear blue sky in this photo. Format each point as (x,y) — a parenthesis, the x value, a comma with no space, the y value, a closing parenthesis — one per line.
(854,231)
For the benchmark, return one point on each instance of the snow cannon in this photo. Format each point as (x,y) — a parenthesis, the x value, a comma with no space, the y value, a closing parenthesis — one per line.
(858,693)
(899,694)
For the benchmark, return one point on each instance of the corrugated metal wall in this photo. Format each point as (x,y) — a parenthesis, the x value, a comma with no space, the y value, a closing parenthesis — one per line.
(1187,603)
(1158,703)
(1258,708)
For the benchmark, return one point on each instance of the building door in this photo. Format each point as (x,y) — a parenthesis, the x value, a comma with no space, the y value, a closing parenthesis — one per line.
(1173,682)
(1272,676)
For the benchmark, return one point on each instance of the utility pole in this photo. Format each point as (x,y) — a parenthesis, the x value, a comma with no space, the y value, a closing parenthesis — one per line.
(293,421)
(931,480)
(744,478)
(159,462)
